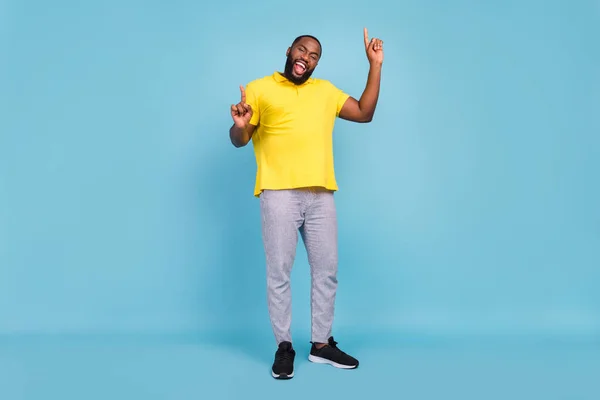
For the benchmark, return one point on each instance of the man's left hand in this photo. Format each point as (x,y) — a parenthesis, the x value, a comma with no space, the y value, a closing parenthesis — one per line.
(374,49)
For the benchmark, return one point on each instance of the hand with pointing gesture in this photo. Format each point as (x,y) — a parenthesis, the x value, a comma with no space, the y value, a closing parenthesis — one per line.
(374,49)
(241,112)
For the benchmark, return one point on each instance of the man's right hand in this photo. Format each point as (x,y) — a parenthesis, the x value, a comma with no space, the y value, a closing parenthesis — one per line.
(241,112)
(241,131)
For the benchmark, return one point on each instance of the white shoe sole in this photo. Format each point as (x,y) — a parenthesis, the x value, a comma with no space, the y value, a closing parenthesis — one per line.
(282,376)
(321,360)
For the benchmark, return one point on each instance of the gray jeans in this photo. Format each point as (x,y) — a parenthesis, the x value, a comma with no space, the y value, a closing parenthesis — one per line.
(312,213)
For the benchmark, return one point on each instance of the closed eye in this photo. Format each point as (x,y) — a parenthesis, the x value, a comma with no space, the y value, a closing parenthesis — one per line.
(313,55)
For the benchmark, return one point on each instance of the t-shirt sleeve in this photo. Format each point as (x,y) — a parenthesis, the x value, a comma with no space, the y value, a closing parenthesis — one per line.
(252,100)
(341,98)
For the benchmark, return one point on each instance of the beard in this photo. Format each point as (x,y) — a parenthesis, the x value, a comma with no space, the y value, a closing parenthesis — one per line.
(288,72)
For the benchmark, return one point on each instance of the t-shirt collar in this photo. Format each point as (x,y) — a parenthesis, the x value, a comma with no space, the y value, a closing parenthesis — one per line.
(279,77)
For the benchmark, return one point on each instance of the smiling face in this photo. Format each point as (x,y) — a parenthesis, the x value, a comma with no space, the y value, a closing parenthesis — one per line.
(302,59)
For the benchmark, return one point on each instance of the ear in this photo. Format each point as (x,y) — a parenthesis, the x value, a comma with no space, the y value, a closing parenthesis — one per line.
(287,53)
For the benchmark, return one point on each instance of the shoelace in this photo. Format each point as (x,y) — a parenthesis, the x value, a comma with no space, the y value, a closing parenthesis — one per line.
(283,355)
(333,344)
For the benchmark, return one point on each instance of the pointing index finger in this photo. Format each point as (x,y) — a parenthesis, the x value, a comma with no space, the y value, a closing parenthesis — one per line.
(366,37)
(243,94)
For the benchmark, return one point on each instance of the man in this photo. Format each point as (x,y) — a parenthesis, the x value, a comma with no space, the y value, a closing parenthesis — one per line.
(290,117)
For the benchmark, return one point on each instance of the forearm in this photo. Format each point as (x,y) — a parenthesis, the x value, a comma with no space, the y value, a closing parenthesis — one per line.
(239,136)
(368,100)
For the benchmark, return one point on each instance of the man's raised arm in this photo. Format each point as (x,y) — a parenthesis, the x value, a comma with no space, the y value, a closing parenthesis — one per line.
(362,110)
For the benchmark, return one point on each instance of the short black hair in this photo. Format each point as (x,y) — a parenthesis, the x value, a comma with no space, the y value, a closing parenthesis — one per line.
(311,37)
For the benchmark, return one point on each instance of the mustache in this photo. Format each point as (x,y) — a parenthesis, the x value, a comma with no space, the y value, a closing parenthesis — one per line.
(289,65)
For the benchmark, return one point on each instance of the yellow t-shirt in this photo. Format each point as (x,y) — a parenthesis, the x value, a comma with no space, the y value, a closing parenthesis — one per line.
(293,140)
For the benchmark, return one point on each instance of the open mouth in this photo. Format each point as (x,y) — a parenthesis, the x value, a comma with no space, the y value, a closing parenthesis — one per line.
(299,67)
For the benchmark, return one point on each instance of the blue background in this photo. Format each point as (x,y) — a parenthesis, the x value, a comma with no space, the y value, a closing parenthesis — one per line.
(469,206)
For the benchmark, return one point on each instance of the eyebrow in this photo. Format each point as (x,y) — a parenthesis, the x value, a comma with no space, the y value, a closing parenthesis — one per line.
(311,52)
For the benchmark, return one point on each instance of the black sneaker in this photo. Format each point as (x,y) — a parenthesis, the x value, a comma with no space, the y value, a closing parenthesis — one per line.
(283,366)
(331,354)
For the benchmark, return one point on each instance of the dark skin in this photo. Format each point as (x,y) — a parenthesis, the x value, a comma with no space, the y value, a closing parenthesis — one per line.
(308,52)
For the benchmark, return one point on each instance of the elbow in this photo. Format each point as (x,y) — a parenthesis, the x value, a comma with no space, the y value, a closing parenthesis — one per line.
(239,138)
(367,118)
(236,141)
(237,144)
